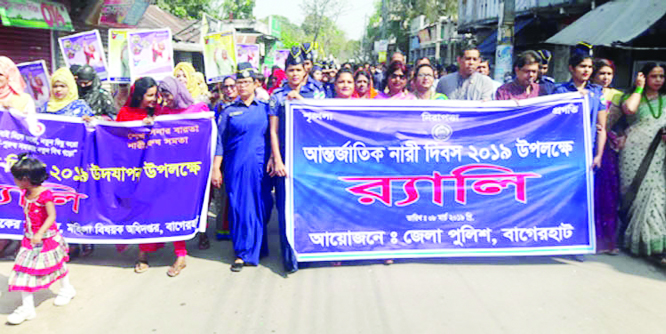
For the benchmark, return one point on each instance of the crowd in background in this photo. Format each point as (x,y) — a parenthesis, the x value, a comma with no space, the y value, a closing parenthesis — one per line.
(629,150)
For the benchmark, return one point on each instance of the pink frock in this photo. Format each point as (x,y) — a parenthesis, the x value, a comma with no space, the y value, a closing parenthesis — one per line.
(36,268)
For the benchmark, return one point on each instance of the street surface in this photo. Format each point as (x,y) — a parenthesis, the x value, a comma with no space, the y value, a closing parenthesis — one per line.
(604,294)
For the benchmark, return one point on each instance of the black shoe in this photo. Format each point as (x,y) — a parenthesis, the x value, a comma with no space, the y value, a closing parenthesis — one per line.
(237,267)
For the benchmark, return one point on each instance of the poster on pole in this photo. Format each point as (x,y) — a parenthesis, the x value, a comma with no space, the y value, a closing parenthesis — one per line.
(85,48)
(118,56)
(281,58)
(37,81)
(248,53)
(219,55)
(410,179)
(150,53)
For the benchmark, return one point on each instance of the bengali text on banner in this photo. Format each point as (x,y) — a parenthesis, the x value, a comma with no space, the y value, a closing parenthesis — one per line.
(408,179)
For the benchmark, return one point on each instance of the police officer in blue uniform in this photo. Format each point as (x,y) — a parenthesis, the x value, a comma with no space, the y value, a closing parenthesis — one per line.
(308,53)
(297,87)
(546,82)
(243,146)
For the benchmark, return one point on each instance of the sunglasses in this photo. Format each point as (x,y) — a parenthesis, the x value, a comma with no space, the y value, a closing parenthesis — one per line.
(398,76)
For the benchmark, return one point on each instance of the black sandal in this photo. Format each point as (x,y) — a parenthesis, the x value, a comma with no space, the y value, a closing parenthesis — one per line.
(74,251)
(87,250)
(4,248)
(204,243)
(237,266)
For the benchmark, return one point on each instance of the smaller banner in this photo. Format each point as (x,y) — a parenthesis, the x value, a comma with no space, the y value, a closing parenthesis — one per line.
(281,58)
(118,56)
(122,13)
(85,49)
(35,14)
(38,84)
(248,53)
(150,53)
(219,55)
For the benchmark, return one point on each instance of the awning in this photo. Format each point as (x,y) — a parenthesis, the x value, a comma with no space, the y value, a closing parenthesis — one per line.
(35,14)
(618,21)
(489,44)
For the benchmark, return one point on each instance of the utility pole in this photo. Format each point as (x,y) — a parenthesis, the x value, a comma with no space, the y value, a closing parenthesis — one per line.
(384,19)
(504,50)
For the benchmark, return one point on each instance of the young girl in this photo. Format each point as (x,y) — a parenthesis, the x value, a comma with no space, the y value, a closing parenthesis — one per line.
(41,259)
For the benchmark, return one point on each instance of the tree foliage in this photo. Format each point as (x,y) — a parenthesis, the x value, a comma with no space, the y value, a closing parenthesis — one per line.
(319,13)
(221,9)
(321,29)
(186,9)
(238,9)
(400,13)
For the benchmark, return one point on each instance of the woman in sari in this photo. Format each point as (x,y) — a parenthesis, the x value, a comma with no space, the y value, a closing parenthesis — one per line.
(423,83)
(344,84)
(606,183)
(397,77)
(65,96)
(644,193)
(364,87)
(142,106)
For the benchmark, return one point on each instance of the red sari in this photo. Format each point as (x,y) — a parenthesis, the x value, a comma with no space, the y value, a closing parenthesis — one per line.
(127,114)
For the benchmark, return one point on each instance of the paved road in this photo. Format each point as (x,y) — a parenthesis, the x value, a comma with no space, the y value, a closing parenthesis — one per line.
(604,294)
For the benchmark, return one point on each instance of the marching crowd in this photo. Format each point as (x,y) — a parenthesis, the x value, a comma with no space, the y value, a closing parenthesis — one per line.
(629,150)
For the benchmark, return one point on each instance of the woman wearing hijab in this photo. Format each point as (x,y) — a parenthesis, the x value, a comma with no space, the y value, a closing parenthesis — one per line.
(12,87)
(65,101)
(184,72)
(276,80)
(90,90)
(176,99)
(12,97)
(203,88)
(65,96)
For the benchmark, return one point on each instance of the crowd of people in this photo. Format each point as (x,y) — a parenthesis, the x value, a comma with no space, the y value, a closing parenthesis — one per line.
(629,150)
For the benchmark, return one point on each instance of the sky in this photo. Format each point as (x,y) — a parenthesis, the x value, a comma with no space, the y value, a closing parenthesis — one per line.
(352,22)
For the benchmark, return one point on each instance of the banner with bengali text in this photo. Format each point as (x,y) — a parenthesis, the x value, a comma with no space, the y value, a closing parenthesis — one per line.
(113,182)
(373,179)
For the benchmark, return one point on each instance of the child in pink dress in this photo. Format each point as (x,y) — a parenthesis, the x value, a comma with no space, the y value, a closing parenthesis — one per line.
(43,253)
